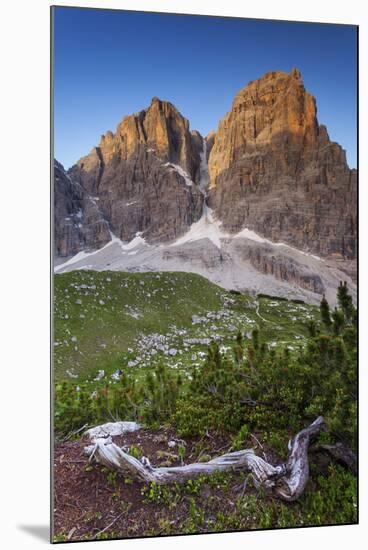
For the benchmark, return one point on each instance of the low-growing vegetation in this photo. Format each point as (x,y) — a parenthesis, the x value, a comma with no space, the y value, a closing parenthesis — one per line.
(254,394)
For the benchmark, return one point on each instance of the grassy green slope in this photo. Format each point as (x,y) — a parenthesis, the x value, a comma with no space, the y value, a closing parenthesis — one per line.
(110,320)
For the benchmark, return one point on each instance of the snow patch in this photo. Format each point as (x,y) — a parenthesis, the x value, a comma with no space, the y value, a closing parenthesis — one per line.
(181,172)
(253,236)
(249,234)
(137,241)
(205,228)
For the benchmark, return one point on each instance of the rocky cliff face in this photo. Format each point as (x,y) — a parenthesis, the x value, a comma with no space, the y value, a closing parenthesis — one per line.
(146,174)
(78,223)
(273,169)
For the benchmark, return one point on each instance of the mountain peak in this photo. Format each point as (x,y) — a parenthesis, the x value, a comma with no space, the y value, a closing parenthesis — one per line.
(295,73)
(156,99)
(272,169)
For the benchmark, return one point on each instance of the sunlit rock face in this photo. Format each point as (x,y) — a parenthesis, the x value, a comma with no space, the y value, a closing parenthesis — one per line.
(146,175)
(273,169)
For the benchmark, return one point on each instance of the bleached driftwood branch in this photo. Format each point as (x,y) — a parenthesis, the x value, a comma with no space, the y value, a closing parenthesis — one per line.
(292,484)
(287,480)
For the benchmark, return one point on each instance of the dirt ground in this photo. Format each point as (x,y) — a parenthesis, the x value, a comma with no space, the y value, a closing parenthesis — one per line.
(92,502)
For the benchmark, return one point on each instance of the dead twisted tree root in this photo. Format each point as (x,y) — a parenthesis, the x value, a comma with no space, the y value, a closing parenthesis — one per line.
(287,481)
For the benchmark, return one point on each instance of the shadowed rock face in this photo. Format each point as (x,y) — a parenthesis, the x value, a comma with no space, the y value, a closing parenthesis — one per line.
(78,223)
(133,175)
(273,169)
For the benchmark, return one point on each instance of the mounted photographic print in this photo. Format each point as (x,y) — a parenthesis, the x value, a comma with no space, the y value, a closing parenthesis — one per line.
(204,213)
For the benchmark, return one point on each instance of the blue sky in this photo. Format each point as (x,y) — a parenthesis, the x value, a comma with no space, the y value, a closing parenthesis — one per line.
(109,64)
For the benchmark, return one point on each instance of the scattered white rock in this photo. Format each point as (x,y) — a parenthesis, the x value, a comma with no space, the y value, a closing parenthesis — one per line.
(116,375)
(133,363)
(71,374)
(197,320)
